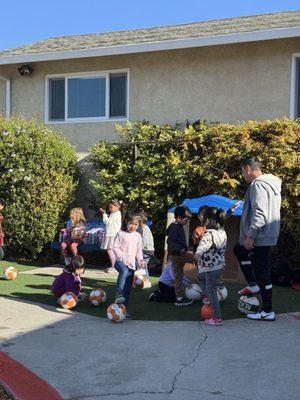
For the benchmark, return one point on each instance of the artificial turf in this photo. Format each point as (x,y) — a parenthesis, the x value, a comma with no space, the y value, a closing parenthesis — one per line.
(35,288)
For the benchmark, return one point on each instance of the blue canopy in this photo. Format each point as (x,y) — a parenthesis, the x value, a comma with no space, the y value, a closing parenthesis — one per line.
(213,200)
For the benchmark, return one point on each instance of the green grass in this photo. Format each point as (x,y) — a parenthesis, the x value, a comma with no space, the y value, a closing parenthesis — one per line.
(35,288)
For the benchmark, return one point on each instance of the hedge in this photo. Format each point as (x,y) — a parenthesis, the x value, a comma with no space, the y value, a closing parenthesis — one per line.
(38,178)
(207,162)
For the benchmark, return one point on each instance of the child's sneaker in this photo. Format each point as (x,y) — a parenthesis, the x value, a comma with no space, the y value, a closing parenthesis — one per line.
(119,299)
(213,321)
(205,300)
(183,301)
(152,297)
(110,270)
(128,315)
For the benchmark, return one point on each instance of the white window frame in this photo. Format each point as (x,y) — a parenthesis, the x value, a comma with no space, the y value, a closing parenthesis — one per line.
(293,88)
(92,74)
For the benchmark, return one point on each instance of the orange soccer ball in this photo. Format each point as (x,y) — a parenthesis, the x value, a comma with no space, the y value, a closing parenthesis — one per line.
(68,300)
(97,297)
(139,281)
(10,273)
(206,311)
(116,312)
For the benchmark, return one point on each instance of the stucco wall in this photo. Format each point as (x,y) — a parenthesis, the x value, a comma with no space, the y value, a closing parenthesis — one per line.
(2,96)
(219,83)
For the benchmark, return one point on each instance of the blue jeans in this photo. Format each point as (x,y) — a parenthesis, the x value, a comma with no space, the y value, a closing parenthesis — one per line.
(125,281)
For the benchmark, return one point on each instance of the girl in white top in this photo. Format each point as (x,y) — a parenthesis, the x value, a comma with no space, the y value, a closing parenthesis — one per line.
(113,223)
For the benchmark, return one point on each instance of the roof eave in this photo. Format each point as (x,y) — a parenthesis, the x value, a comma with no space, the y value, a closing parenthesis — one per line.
(278,33)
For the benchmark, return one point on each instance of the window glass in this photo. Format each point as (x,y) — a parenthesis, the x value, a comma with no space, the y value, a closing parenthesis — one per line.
(57,99)
(118,90)
(86,97)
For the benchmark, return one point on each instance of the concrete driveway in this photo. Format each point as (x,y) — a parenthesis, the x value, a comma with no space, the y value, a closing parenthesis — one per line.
(90,358)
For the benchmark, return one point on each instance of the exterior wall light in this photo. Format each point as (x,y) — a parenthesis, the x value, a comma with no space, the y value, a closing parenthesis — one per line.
(25,70)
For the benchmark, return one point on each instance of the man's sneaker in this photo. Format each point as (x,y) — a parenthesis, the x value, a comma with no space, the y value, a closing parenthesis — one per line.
(183,302)
(119,299)
(213,321)
(205,300)
(128,315)
(248,290)
(262,316)
(110,270)
(152,297)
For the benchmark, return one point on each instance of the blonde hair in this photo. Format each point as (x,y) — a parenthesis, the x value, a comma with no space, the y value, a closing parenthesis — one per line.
(76,215)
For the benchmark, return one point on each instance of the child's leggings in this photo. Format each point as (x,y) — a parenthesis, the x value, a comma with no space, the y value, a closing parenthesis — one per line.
(72,245)
(112,257)
(125,281)
(208,283)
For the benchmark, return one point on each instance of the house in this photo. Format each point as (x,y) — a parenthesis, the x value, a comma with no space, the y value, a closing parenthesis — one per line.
(226,70)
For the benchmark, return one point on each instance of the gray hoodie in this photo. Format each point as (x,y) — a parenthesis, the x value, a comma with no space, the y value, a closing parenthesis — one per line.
(261,213)
(210,252)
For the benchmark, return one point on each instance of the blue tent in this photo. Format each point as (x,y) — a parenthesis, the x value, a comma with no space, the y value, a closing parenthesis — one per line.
(212,200)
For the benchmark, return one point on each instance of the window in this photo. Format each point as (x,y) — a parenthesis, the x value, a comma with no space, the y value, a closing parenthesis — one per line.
(80,98)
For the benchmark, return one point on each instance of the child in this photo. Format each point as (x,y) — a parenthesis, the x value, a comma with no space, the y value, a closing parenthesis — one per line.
(210,255)
(166,291)
(128,250)
(200,230)
(2,205)
(73,234)
(147,237)
(177,249)
(113,224)
(69,280)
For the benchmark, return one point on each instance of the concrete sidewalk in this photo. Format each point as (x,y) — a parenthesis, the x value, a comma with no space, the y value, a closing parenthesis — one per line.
(89,358)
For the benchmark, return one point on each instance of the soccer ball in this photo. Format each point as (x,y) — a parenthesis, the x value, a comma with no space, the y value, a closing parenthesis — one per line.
(222,293)
(193,292)
(248,305)
(139,281)
(116,312)
(97,297)
(10,273)
(206,311)
(68,300)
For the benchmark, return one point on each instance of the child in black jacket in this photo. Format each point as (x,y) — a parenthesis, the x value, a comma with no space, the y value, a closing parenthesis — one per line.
(177,248)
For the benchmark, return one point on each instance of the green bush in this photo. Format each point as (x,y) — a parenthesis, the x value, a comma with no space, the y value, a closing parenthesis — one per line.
(38,178)
(208,162)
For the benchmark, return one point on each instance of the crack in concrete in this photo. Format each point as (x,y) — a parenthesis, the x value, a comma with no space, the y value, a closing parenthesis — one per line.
(174,380)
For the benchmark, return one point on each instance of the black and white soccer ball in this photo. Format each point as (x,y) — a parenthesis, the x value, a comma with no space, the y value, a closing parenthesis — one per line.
(248,305)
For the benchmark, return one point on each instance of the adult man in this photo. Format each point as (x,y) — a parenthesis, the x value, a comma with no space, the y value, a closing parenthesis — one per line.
(259,229)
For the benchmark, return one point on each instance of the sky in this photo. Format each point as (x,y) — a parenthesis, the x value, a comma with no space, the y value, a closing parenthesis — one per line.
(28,21)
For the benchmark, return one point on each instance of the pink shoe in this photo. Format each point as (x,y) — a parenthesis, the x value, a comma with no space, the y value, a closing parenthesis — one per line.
(213,321)
(205,300)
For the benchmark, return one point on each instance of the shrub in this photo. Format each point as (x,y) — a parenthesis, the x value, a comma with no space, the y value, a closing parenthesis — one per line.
(38,178)
(208,162)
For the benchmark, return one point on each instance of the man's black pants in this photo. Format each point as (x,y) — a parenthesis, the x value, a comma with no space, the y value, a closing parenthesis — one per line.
(254,265)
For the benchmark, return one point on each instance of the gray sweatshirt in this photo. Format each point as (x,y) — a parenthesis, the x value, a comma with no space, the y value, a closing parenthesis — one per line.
(261,213)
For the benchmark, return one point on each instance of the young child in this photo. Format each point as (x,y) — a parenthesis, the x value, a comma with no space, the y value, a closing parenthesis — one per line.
(69,280)
(177,249)
(210,255)
(2,205)
(200,230)
(73,234)
(147,237)
(166,291)
(113,223)
(128,250)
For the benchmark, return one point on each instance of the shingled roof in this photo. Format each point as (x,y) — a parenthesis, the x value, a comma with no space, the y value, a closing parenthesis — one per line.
(216,28)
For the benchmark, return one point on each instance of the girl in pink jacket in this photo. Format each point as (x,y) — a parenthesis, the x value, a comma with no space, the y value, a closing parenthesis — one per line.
(128,250)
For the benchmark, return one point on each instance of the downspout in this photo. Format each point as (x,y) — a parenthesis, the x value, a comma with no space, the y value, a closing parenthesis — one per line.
(7,95)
